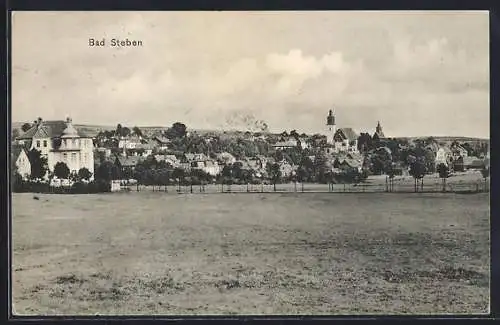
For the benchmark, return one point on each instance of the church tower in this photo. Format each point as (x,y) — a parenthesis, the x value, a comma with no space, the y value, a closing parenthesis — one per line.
(330,127)
(378,131)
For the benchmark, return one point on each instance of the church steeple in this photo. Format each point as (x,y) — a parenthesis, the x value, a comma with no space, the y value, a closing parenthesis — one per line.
(330,119)
(378,130)
(330,127)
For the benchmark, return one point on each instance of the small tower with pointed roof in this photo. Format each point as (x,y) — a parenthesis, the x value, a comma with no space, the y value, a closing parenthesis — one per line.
(378,131)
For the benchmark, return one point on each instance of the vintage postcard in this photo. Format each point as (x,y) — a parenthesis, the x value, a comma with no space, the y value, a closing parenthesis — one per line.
(250,163)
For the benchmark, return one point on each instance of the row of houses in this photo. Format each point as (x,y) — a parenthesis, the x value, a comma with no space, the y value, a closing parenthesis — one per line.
(456,158)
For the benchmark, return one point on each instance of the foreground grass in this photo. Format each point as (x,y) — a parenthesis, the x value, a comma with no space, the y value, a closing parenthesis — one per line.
(143,253)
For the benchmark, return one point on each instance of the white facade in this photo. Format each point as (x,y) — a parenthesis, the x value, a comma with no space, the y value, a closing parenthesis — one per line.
(331,128)
(68,146)
(23,165)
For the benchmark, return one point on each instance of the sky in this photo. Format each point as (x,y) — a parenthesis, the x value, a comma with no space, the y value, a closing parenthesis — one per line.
(418,73)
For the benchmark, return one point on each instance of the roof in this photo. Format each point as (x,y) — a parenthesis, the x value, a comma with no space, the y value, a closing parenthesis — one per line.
(129,161)
(171,157)
(348,133)
(48,129)
(288,143)
(162,139)
(16,152)
(351,162)
(473,161)
(445,149)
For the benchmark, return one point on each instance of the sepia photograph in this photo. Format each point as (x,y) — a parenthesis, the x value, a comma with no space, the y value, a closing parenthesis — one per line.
(250,163)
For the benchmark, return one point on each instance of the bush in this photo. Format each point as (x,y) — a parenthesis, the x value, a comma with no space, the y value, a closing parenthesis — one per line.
(77,188)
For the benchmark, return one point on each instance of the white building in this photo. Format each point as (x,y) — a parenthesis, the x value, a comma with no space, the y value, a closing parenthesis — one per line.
(331,128)
(444,156)
(59,141)
(20,160)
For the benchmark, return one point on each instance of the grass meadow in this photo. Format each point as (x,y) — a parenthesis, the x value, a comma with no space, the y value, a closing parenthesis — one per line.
(257,253)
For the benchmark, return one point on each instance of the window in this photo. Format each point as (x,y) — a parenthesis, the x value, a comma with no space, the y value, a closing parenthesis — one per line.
(38,143)
(65,157)
(73,157)
(45,143)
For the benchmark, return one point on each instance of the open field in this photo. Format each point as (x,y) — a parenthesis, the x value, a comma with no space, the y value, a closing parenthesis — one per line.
(311,253)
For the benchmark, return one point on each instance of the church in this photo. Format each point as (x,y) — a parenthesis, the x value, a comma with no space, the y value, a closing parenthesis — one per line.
(340,139)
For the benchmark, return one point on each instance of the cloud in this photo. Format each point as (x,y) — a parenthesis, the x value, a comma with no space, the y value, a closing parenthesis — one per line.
(207,72)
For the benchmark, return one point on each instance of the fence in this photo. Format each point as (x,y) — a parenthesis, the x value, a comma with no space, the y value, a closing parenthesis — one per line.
(395,187)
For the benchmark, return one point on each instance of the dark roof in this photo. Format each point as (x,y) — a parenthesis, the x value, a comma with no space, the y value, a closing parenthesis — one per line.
(128,161)
(162,139)
(348,133)
(48,129)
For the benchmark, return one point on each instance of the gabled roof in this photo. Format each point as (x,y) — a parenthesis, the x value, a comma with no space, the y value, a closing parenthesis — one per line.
(162,139)
(48,129)
(128,161)
(15,152)
(347,133)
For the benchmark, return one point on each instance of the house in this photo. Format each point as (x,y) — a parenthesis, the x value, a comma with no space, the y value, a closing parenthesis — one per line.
(459,151)
(127,164)
(345,140)
(130,142)
(285,144)
(20,159)
(225,158)
(286,168)
(172,160)
(145,148)
(162,143)
(211,167)
(60,141)
(473,163)
(444,156)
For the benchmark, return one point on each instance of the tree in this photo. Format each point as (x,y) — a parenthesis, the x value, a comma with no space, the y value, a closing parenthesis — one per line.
(178,130)
(26,127)
(275,173)
(486,173)
(119,130)
(15,133)
(84,174)
(417,170)
(61,170)
(301,176)
(227,176)
(39,166)
(444,173)
(364,142)
(126,131)
(179,175)
(107,171)
(137,131)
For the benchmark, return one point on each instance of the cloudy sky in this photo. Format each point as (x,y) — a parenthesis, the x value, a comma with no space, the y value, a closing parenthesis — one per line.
(419,73)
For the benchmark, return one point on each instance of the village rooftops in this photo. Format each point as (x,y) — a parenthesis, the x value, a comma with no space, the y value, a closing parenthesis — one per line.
(49,129)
